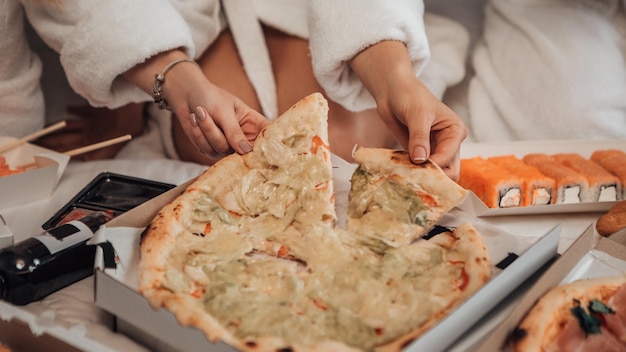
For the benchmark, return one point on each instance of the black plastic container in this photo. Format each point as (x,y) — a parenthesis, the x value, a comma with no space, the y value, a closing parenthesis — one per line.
(45,263)
(109,192)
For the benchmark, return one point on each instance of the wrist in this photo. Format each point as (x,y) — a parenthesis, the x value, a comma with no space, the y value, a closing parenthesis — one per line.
(381,65)
(159,81)
(142,74)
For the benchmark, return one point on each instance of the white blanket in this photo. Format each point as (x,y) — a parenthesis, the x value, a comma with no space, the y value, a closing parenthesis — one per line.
(550,69)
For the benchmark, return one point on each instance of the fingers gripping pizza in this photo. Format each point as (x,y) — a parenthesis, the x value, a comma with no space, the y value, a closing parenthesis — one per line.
(250,253)
(585,315)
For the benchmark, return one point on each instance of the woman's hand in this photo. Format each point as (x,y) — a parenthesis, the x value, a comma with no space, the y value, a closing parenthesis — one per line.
(216,121)
(422,124)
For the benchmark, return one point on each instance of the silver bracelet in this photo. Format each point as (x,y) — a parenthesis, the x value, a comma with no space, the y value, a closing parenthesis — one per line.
(159,79)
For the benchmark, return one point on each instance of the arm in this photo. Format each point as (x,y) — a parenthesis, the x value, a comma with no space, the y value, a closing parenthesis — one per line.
(369,53)
(98,40)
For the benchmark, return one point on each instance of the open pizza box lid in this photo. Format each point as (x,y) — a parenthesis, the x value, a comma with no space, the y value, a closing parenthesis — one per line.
(585,148)
(590,256)
(116,287)
(35,183)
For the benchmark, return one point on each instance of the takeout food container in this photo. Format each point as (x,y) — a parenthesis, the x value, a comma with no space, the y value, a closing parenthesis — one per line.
(116,286)
(35,183)
(520,148)
(590,256)
(110,192)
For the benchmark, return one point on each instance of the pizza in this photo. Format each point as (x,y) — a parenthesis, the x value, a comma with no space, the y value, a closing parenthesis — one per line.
(584,315)
(251,253)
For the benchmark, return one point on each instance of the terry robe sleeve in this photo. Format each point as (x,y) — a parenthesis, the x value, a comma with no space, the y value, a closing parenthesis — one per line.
(21,99)
(99,40)
(340,29)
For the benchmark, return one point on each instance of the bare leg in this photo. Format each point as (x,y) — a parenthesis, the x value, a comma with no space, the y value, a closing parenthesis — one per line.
(294,80)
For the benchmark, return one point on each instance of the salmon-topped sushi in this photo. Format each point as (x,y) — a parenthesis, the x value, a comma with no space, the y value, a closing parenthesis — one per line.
(614,161)
(603,185)
(495,186)
(571,186)
(537,188)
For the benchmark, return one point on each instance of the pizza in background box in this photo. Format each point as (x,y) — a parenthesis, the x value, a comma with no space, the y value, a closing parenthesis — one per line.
(250,252)
(584,315)
(613,220)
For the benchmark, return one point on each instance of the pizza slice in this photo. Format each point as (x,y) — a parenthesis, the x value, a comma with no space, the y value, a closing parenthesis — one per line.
(243,209)
(393,201)
(584,315)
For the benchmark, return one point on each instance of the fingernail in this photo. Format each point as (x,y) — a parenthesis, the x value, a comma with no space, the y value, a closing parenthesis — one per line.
(245,147)
(194,122)
(419,154)
(200,112)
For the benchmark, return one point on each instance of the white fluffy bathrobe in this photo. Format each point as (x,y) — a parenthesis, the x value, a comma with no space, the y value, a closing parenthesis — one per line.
(21,98)
(98,40)
(550,69)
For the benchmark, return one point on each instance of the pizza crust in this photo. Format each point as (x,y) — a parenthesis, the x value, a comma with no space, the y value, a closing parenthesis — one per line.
(543,323)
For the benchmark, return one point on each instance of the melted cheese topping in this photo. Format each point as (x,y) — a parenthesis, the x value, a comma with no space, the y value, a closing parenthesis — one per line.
(264,263)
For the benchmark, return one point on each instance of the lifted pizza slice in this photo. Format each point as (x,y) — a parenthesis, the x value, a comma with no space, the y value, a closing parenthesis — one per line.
(393,201)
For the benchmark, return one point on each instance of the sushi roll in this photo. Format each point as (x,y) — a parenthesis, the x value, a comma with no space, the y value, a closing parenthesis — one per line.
(614,161)
(537,188)
(603,185)
(571,186)
(495,186)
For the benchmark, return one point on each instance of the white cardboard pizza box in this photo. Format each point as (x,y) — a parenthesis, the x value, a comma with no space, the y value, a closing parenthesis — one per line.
(520,148)
(116,287)
(38,181)
(590,256)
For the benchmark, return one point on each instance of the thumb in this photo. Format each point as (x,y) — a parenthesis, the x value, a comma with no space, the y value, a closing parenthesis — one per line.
(419,141)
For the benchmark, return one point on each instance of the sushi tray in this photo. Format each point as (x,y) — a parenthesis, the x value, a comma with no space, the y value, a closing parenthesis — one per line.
(543,177)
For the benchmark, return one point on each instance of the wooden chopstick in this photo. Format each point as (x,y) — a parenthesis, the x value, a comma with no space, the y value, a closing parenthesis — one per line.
(32,136)
(85,149)
(92,147)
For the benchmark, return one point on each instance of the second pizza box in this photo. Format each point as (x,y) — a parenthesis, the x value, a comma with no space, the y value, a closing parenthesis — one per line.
(116,291)
(590,256)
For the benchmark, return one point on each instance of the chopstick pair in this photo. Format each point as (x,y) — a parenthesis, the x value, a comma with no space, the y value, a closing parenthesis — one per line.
(85,149)
(73,152)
